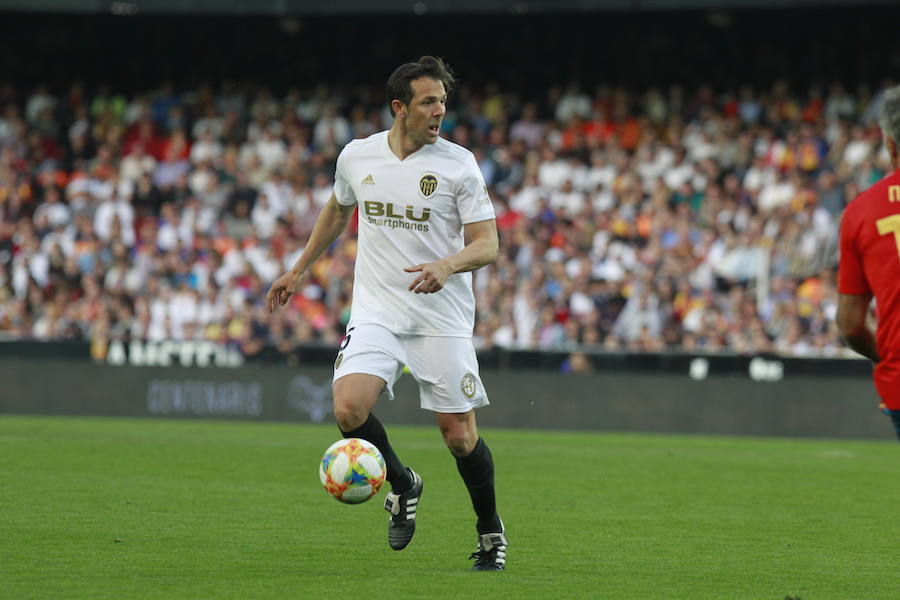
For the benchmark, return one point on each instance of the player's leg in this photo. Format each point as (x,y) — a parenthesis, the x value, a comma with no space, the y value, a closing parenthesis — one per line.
(366,367)
(475,465)
(354,397)
(894,415)
(370,361)
(447,371)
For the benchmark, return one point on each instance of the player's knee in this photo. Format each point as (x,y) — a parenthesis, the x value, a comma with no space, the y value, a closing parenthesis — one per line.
(348,414)
(459,442)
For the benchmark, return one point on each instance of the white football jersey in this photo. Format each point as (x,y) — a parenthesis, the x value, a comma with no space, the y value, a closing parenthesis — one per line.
(411,212)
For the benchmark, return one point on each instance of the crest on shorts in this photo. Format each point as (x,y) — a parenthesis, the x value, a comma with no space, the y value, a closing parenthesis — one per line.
(428,184)
(338,361)
(467,385)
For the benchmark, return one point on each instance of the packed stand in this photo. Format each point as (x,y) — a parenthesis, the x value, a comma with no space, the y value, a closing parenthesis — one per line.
(659,220)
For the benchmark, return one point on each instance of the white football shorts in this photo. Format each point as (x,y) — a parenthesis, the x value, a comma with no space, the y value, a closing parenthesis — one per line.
(445,368)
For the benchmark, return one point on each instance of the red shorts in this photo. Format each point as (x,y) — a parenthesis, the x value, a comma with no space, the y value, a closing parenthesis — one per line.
(889,392)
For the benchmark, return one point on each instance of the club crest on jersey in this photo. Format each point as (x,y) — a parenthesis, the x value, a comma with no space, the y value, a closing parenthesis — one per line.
(428,184)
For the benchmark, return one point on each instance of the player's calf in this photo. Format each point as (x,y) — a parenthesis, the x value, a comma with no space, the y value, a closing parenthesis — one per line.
(895,419)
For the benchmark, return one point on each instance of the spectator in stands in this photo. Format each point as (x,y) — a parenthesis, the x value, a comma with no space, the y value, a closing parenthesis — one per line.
(597,208)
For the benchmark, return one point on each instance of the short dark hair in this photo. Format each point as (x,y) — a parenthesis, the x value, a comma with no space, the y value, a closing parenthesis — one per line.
(398,84)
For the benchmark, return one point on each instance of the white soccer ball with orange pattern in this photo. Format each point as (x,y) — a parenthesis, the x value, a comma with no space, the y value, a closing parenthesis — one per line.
(352,470)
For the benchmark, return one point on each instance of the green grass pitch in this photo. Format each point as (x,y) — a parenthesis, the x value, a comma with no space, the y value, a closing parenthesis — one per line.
(118,508)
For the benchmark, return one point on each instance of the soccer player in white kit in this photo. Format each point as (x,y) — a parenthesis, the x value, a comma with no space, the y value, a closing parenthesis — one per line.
(425,222)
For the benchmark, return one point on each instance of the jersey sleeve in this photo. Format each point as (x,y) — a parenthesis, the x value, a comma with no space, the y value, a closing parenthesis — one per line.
(343,191)
(851,276)
(472,200)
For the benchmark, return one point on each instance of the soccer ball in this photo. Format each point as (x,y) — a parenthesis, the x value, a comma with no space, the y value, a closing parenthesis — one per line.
(352,470)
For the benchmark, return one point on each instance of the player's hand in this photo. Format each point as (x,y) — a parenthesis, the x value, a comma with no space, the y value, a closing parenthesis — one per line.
(431,278)
(282,289)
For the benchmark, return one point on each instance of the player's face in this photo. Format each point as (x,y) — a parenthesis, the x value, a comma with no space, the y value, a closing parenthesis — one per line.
(426,110)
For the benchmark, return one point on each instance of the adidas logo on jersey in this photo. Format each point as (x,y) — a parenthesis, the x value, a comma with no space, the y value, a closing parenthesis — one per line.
(369,180)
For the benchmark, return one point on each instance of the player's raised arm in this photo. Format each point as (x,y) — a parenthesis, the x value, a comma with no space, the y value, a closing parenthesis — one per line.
(329,225)
(481,249)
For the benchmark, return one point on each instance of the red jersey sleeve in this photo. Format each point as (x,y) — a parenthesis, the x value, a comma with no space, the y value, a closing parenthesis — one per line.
(851,276)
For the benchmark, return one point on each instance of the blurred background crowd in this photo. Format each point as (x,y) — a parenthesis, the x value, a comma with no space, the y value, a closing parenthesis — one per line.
(643,218)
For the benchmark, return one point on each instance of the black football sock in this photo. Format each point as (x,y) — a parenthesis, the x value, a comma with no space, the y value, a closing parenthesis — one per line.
(373,431)
(895,418)
(477,470)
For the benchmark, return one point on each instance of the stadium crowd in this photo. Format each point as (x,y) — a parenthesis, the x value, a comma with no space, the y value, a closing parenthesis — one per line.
(639,220)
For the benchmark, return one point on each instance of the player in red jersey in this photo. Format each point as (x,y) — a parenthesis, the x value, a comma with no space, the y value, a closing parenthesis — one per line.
(870,267)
